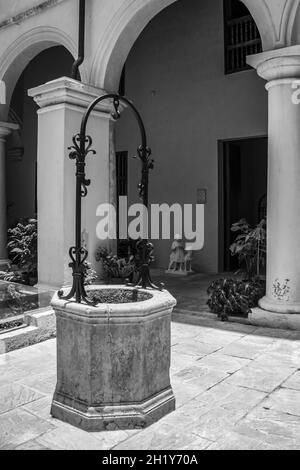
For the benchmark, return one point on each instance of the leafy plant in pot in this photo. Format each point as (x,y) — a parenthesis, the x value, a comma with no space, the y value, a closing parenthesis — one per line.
(22,250)
(114,267)
(229,297)
(250,248)
(234,296)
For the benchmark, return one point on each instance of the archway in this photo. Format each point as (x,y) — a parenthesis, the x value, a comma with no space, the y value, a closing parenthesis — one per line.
(21,162)
(129,22)
(22,51)
(21,154)
(175,74)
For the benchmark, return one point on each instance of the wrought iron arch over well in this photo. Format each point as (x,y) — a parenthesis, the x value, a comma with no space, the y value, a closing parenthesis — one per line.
(82,146)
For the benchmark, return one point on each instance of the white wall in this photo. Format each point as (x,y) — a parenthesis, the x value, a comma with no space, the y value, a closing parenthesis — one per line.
(175,76)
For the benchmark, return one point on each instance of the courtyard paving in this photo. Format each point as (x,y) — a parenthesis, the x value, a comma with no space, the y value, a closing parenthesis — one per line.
(236,387)
(190,291)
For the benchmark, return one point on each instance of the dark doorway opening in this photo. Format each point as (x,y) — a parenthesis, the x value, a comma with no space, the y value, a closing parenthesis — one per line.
(243,176)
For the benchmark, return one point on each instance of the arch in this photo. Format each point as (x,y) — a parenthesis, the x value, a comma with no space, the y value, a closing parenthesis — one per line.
(118,38)
(129,21)
(294,26)
(18,55)
(275,22)
(263,19)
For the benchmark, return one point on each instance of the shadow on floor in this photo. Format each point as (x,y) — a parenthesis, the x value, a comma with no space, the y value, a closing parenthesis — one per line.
(191,295)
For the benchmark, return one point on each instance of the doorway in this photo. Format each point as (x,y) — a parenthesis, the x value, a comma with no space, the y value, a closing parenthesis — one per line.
(243,179)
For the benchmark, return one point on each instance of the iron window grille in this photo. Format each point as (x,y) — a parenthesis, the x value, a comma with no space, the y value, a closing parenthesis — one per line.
(242,38)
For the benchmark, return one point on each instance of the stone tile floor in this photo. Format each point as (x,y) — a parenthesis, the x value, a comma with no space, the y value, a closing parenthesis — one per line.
(190,291)
(236,386)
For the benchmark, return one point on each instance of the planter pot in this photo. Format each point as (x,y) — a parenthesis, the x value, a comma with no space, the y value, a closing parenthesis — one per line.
(113,361)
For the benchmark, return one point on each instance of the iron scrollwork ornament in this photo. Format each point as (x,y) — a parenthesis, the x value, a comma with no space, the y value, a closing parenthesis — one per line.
(79,151)
(144,249)
(80,155)
(147,165)
(81,147)
(143,259)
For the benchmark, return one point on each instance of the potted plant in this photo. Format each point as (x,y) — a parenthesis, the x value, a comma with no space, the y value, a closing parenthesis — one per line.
(116,270)
(250,248)
(22,250)
(234,297)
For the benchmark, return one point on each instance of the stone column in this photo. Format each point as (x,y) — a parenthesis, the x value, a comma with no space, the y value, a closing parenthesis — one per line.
(281,69)
(62,103)
(5,129)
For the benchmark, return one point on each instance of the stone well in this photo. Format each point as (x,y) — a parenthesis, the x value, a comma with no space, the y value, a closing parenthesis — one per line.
(113,362)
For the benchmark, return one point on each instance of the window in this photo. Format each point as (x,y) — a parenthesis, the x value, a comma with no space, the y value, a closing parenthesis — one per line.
(242,37)
(124,249)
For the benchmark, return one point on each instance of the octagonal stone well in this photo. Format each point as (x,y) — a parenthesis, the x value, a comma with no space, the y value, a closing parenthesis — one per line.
(113,361)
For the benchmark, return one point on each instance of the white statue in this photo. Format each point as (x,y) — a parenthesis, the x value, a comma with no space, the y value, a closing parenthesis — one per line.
(180,258)
(188,259)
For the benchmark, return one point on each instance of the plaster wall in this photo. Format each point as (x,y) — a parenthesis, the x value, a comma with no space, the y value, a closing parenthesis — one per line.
(175,76)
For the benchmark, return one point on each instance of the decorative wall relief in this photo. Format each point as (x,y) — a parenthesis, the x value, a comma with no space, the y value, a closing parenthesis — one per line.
(281,290)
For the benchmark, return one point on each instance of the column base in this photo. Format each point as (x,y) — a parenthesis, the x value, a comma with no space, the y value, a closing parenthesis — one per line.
(42,287)
(103,417)
(271,305)
(282,321)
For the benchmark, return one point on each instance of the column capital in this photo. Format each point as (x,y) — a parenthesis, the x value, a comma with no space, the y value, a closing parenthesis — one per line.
(7,128)
(280,65)
(68,91)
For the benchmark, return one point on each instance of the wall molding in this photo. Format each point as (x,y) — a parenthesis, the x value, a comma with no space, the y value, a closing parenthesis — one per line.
(25,15)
